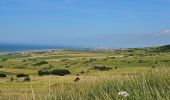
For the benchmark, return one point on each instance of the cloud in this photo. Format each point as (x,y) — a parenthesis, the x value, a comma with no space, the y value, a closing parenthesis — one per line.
(165,33)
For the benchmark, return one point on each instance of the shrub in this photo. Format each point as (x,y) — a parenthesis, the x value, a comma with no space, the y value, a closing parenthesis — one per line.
(130,54)
(92,59)
(165,60)
(22,75)
(141,55)
(82,72)
(20,67)
(141,61)
(156,62)
(105,59)
(67,66)
(89,60)
(41,73)
(112,57)
(130,51)
(23,60)
(41,63)
(102,67)
(51,66)
(4,60)
(60,72)
(3,75)
(1,66)
(73,63)
(153,66)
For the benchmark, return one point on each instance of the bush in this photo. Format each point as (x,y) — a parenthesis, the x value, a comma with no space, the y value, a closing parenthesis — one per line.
(2,75)
(82,72)
(131,54)
(22,75)
(102,67)
(105,59)
(141,61)
(130,51)
(42,73)
(67,66)
(4,60)
(153,66)
(1,66)
(112,57)
(41,63)
(90,60)
(60,72)
(20,67)
(23,60)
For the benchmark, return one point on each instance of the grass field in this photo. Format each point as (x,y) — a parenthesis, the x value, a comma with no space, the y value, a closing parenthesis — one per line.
(141,74)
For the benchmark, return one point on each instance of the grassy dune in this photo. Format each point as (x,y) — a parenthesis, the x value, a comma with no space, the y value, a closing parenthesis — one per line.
(142,74)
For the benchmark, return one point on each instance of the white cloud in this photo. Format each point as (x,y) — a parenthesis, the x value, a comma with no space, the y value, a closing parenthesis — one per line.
(165,33)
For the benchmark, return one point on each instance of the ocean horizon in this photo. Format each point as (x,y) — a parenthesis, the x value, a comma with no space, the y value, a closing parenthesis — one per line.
(21,48)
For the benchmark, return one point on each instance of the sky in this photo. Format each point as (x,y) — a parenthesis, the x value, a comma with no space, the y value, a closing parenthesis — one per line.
(85,23)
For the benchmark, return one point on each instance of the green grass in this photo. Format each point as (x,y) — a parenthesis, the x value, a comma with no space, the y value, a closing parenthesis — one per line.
(149,85)
(13,56)
(140,72)
(51,57)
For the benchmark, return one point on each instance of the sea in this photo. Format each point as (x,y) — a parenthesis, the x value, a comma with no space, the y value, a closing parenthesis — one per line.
(5,48)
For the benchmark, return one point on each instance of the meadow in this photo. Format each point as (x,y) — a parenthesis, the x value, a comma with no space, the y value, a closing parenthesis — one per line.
(122,74)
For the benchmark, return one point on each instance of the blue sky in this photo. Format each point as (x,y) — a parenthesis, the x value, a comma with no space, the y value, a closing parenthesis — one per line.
(85,23)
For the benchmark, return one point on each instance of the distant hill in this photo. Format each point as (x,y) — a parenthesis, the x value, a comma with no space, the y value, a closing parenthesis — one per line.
(164,48)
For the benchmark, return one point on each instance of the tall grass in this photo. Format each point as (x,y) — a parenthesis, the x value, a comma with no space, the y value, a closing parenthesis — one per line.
(151,85)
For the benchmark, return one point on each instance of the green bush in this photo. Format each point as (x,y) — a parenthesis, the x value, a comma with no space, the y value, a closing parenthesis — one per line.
(60,72)
(22,75)
(1,66)
(82,72)
(102,67)
(154,66)
(41,63)
(131,54)
(3,75)
(4,60)
(42,73)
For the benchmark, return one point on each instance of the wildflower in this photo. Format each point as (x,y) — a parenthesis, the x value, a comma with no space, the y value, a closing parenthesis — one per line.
(123,93)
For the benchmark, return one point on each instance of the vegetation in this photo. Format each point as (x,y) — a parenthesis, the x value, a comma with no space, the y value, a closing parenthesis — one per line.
(41,63)
(127,74)
(2,75)
(141,86)
(42,73)
(60,72)
(164,48)
(4,60)
(22,75)
(101,67)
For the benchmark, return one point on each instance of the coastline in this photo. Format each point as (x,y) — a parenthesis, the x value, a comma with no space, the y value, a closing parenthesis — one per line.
(14,48)
(28,51)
